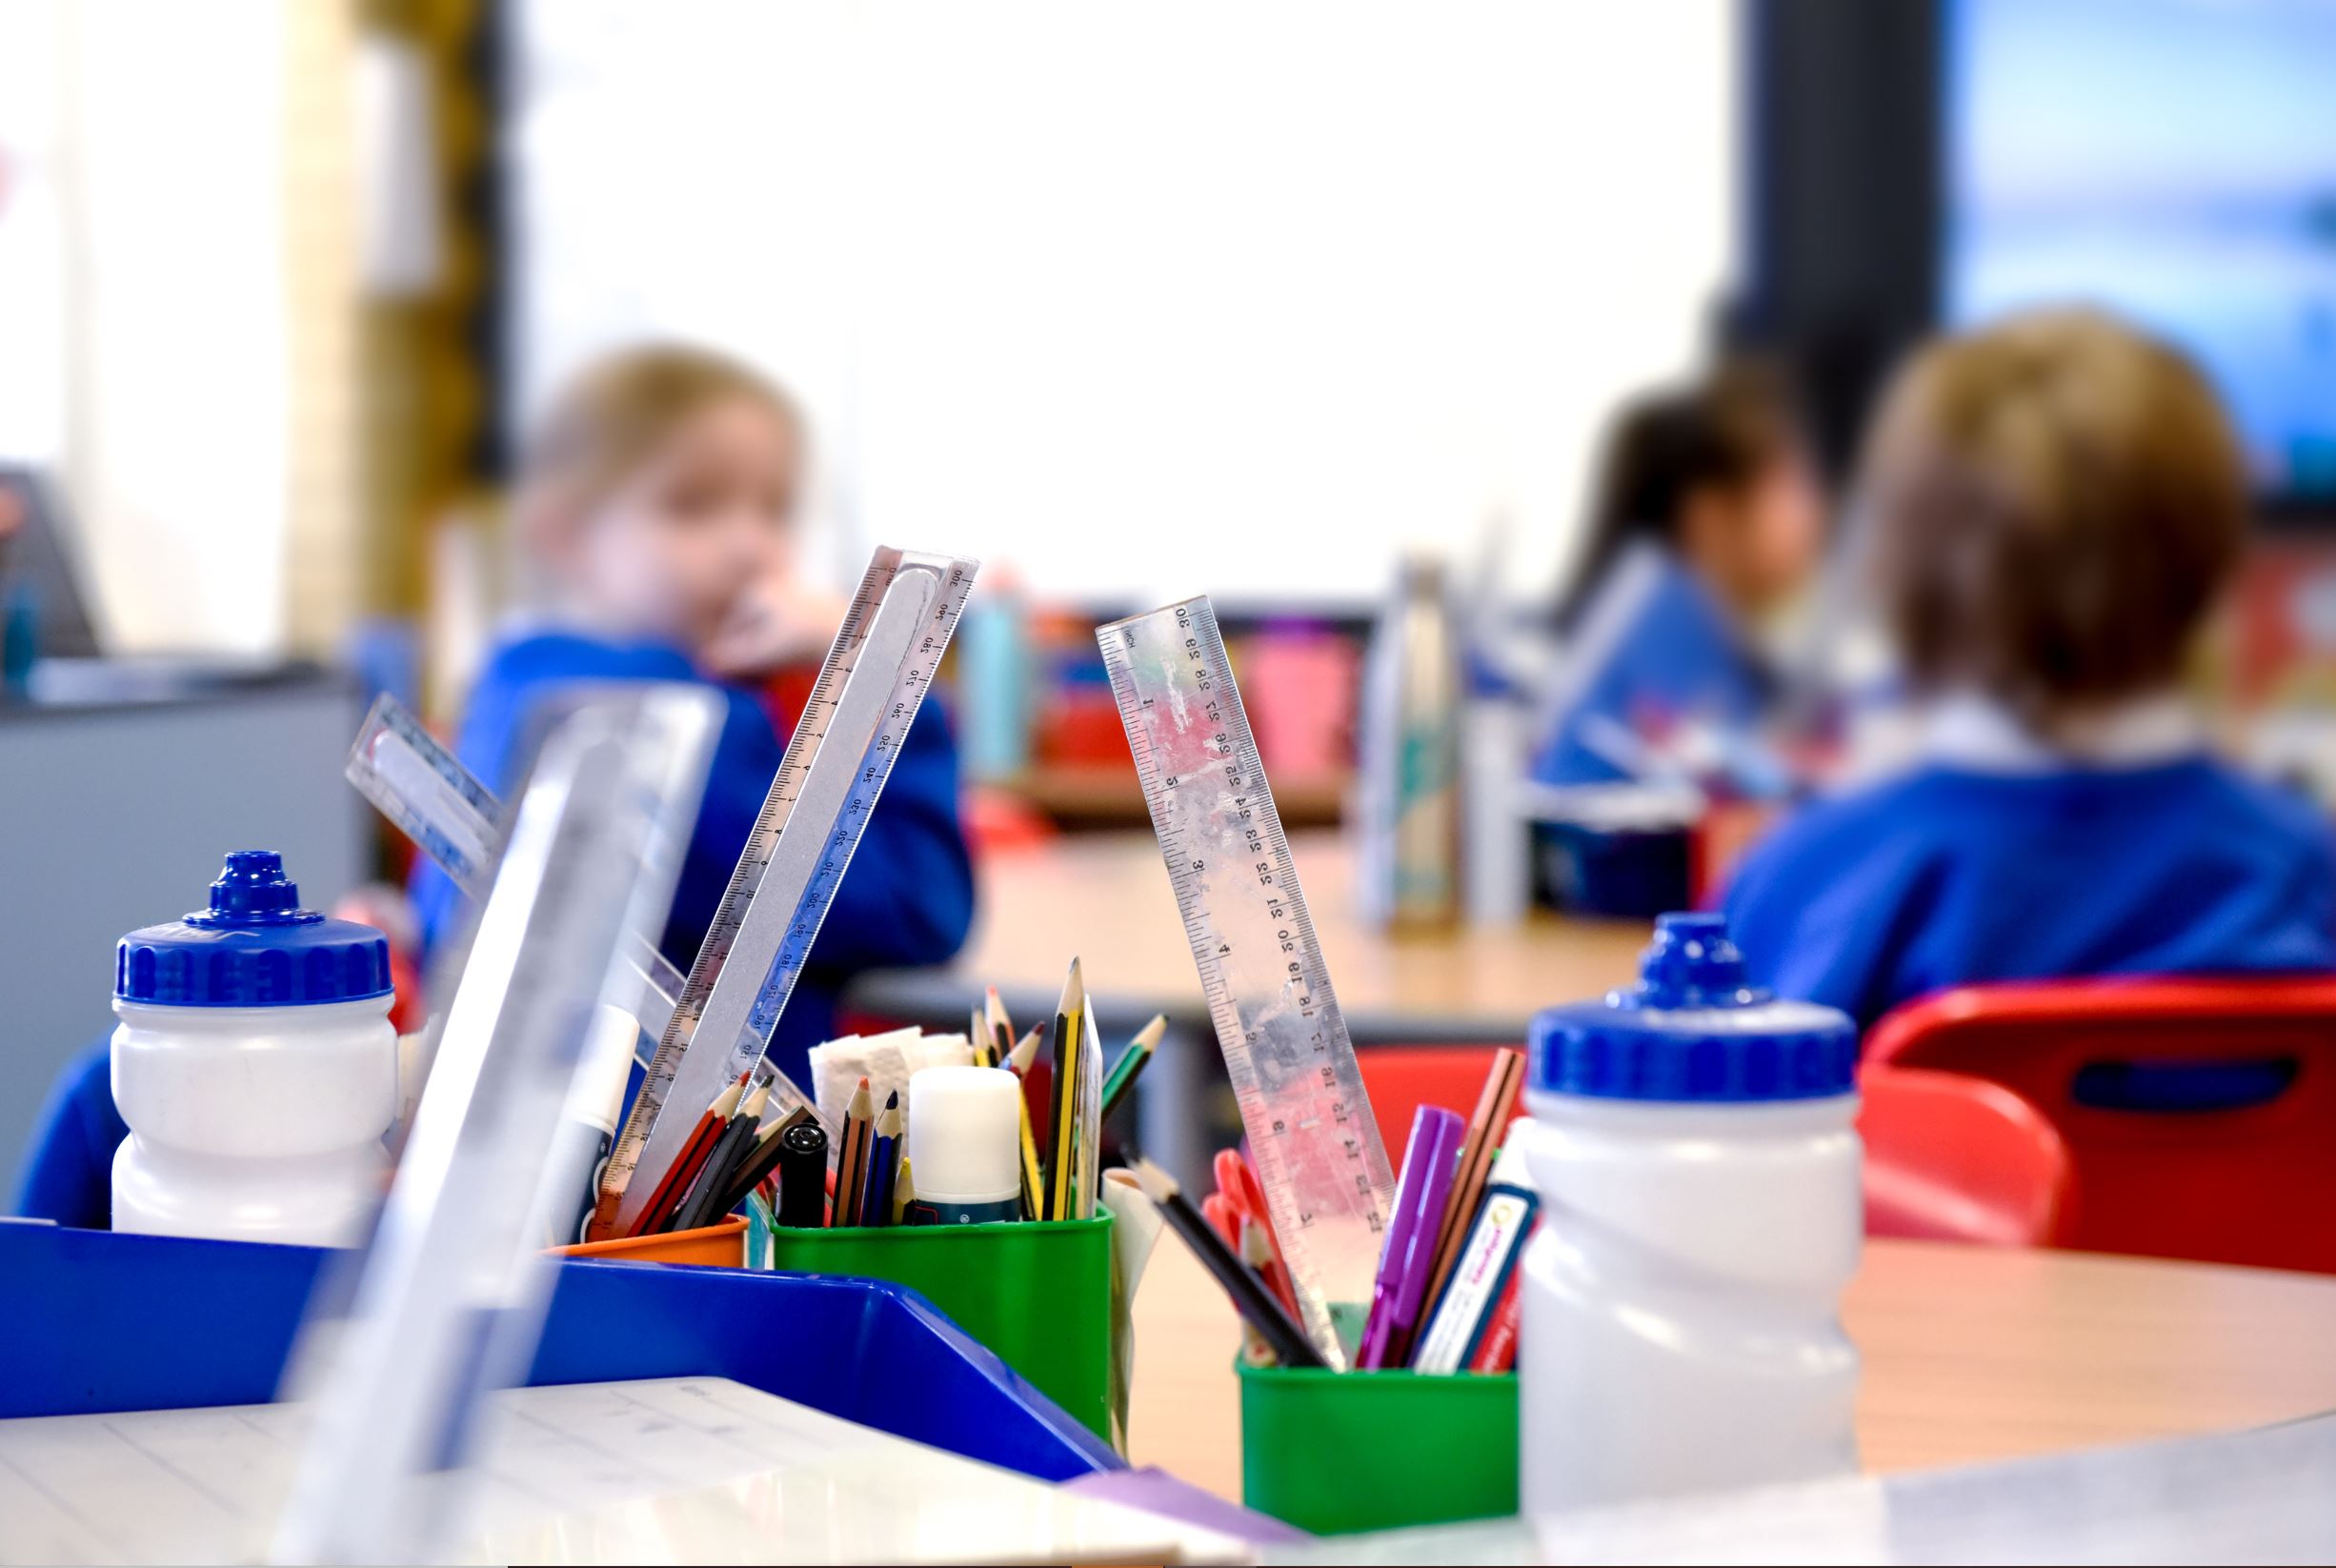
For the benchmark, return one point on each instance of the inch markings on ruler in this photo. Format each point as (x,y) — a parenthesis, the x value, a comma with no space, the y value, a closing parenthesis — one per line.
(1292,1067)
(874,677)
(430,797)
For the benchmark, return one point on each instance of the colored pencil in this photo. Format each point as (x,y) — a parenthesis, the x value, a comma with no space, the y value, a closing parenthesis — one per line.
(676,1182)
(875,1201)
(1069,1037)
(1026,1050)
(1000,1031)
(1131,1062)
(1485,1130)
(1033,1174)
(763,1157)
(904,1191)
(1289,1344)
(852,1159)
(712,1181)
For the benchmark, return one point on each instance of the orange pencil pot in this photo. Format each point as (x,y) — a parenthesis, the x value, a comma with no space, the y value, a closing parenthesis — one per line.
(720,1246)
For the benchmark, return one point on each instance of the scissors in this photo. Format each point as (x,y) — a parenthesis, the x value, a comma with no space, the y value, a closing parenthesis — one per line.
(1237,1183)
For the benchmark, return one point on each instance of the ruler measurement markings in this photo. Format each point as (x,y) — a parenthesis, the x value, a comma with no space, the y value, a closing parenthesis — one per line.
(880,636)
(1256,951)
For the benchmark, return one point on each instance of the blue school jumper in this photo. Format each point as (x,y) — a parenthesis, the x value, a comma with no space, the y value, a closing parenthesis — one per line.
(906,899)
(1663,649)
(1954,874)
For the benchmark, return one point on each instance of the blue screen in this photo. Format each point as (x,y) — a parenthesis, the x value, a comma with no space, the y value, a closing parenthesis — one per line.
(2172,160)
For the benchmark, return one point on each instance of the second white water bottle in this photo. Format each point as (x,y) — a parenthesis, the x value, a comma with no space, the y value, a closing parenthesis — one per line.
(1693,1144)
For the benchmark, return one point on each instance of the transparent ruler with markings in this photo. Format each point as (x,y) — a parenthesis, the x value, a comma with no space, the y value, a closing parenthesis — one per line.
(1311,1132)
(430,797)
(447,1298)
(874,678)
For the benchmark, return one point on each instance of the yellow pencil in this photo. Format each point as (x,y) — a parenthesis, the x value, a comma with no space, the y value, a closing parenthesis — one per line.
(1034,1183)
(1070,1038)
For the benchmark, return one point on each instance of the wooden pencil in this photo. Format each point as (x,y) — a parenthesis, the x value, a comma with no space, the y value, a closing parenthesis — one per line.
(1001,1030)
(676,1182)
(1288,1342)
(852,1159)
(1026,1050)
(702,1207)
(1132,1062)
(763,1159)
(1486,1129)
(1070,1035)
(904,1191)
(875,1202)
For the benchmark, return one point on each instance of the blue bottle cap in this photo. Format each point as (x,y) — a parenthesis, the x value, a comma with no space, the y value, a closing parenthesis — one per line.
(254,947)
(1692,1032)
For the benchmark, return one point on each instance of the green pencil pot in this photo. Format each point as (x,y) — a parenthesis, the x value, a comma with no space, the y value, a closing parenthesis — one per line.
(1338,1452)
(1038,1294)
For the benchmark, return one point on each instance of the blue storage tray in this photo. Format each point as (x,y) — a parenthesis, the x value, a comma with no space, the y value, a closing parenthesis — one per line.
(92,1321)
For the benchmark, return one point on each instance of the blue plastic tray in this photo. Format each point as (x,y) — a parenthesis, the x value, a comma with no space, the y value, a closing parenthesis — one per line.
(92,1321)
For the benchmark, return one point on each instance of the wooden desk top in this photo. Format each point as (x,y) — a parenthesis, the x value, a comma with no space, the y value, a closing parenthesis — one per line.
(1970,1353)
(1106,898)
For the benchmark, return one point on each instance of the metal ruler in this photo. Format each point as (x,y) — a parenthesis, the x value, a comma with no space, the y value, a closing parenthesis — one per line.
(875,675)
(447,1300)
(430,797)
(1316,1147)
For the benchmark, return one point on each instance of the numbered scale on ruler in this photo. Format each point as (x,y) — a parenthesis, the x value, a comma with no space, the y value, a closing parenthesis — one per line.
(874,678)
(1317,1148)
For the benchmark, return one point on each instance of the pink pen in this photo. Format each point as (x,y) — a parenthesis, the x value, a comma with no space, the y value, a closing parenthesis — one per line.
(1397,1291)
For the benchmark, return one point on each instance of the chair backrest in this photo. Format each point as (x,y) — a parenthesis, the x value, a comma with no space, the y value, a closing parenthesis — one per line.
(2200,1114)
(1402,1078)
(1954,1158)
(2011,1187)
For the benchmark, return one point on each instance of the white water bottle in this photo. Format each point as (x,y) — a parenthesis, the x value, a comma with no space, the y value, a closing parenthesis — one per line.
(1699,1173)
(255,1065)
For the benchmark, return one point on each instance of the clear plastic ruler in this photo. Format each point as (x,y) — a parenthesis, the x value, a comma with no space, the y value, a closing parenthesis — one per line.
(1316,1147)
(877,674)
(447,1302)
(430,797)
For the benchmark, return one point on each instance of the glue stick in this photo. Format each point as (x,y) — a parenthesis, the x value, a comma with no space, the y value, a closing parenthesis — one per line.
(965,1131)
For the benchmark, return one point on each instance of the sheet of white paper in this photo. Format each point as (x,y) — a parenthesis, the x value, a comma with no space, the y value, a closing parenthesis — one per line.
(685,1469)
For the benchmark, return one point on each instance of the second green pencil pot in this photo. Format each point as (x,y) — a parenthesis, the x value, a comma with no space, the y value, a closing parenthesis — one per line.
(1036,1293)
(1339,1452)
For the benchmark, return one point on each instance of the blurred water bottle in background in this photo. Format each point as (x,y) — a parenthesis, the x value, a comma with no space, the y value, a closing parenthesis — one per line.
(1407,850)
(994,680)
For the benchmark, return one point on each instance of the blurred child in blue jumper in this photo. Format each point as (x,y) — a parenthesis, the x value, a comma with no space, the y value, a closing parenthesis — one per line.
(1707,521)
(657,516)
(657,509)
(2056,504)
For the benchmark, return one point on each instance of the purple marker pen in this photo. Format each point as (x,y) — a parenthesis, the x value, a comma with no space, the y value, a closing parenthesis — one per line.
(1410,1254)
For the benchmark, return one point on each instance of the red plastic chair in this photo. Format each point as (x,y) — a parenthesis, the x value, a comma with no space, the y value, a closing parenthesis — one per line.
(2255,1183)
(1962,1161)
(1952,1158)
(1402,1078)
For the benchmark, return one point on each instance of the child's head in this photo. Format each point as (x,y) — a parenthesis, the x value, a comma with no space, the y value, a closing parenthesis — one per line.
(1720,473)
(660,487)
(2055,502)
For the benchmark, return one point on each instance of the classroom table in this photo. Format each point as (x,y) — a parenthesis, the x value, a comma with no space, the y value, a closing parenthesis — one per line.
(1971,1354)
(1105,898)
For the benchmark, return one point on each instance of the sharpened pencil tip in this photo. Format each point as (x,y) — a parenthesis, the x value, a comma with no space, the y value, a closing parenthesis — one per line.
(1158,1184)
